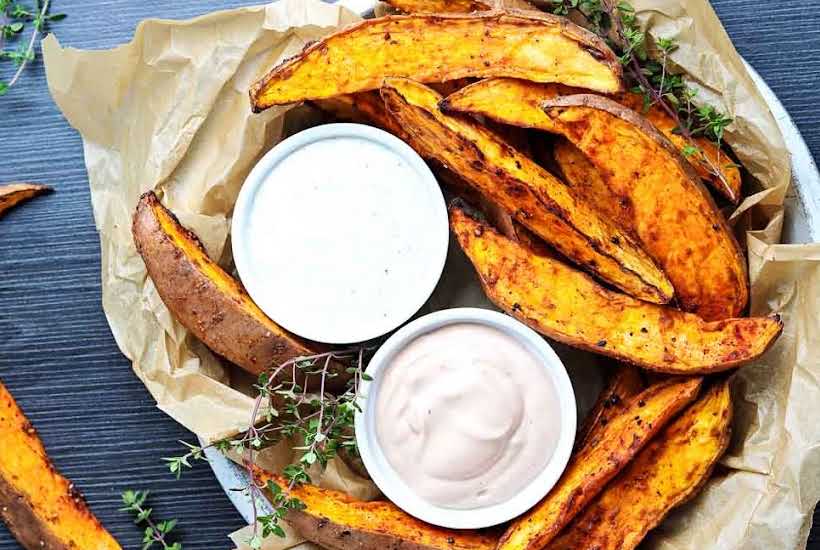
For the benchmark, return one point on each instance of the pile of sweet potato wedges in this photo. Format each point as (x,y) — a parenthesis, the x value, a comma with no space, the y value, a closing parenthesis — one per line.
(604,237)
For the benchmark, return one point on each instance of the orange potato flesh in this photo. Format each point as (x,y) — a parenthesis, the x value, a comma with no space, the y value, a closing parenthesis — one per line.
(668,472)
(442,47)
(673,215)
(525,190)
(335,520)
(12,194)
(590,470)
(565,304)
(40,507)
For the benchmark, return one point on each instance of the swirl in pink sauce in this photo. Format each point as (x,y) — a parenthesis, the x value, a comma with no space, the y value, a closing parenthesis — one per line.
(467,416)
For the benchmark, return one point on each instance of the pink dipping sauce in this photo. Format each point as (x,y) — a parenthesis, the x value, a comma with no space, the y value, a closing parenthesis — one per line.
(467,416)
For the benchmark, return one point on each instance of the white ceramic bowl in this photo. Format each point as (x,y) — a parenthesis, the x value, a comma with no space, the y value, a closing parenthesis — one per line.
(340,233)
(389,481)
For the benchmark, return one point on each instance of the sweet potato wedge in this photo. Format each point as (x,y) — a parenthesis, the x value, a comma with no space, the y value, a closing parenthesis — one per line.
(712,165)
(529,193)
(41,508)
(673,214)
(12,194)
(587,183)
(669,471)
(565,304)
(339,522)
(625,383)
(207,300)
(457,6)
(675,217)
(590,470)
(437,48)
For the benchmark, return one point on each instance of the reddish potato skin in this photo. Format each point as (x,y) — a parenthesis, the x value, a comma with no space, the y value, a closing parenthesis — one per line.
(205,299)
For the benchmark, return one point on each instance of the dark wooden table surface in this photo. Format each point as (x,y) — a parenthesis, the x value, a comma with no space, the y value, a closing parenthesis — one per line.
(57,354)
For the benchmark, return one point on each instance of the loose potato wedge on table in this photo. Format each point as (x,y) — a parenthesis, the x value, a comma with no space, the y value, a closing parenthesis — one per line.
(12,194)
(675,218)
(625,383)
(40,507)
(591,469)
(437,48)
(207,300)
(668,472)
(567,305)
(339,522)
(526,191)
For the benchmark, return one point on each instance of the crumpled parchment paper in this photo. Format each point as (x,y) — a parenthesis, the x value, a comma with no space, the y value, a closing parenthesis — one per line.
(169,111)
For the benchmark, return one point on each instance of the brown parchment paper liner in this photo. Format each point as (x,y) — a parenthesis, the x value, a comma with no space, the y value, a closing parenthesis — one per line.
(169,111)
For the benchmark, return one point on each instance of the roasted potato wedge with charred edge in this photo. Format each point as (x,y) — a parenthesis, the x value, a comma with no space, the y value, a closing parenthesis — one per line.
(625,383)
(41,508)
(565,304)
(530,194)
(590,470)
(208,301)
(668,472)
(442,47)
(712,165)
(674,216)
(339,522)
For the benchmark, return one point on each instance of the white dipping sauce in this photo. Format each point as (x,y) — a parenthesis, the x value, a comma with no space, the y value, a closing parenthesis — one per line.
(344,239)
(467,416)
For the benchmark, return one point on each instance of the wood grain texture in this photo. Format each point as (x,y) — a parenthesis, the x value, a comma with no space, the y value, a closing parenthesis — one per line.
(57,354)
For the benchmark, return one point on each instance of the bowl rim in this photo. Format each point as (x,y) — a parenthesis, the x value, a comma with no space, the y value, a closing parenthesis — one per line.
(343,332)
(388,481)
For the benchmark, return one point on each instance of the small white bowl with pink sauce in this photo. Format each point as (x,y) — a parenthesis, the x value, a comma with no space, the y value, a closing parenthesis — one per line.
(468,420)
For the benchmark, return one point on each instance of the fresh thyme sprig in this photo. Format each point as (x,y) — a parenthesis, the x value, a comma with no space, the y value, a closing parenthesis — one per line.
(13,18)
(155,532)
(321,424)
(650,76)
